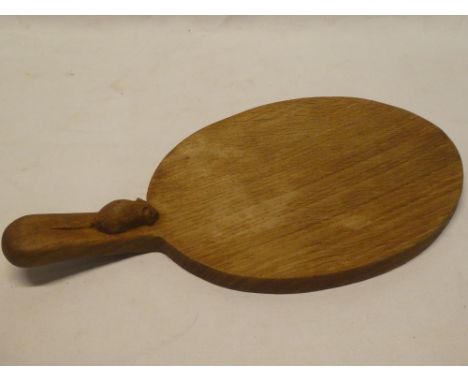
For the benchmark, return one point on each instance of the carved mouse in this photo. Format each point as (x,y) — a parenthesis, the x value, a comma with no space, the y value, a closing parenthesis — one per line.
(122,215)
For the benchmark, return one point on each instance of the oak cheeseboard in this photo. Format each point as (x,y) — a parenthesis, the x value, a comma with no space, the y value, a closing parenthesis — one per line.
(292,196)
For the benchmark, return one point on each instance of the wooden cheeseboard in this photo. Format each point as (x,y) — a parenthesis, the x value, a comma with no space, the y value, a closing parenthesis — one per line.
(292,196)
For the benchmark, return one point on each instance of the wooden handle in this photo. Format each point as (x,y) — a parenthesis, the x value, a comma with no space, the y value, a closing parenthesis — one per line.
(121,227)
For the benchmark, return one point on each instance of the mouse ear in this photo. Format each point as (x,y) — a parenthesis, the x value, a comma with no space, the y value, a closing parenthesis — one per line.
(140,200)
(150,214)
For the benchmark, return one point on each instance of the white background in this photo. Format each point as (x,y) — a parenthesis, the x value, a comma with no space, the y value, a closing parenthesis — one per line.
(89,107)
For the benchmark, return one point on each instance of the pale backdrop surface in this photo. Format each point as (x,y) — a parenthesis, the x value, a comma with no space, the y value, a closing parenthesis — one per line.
(89,107)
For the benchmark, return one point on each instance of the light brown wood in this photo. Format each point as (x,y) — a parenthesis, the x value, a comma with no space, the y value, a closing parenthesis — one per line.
(287,197)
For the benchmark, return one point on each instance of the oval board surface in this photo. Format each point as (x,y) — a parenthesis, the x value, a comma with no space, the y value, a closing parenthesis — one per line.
(305,194)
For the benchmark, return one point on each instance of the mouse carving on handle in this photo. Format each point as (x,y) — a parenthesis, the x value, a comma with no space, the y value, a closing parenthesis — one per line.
(121,215)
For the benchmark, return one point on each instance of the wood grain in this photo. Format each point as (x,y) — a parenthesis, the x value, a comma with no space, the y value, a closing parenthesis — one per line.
(292,196)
